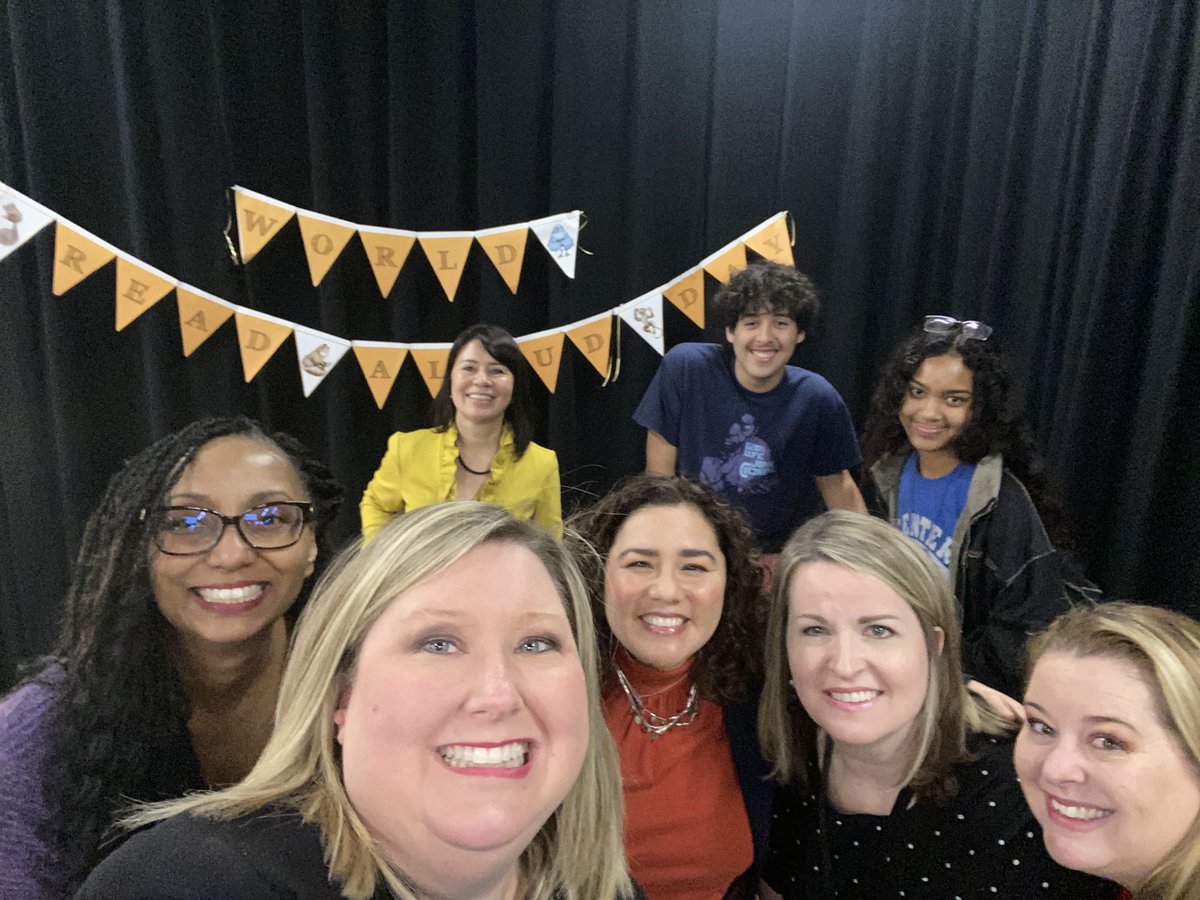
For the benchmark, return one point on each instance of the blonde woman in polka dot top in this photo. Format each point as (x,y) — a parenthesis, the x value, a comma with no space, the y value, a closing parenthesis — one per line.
(894,781)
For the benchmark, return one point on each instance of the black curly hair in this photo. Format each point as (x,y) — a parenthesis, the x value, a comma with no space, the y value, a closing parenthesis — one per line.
(503,348)
(731,661)
(997,423)
(764,287)
(121,709)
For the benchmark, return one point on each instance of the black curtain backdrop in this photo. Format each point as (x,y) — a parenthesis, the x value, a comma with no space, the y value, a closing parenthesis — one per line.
(1032,164)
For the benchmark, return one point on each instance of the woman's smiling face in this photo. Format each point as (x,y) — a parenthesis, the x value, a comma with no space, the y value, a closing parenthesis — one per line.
(1111,786)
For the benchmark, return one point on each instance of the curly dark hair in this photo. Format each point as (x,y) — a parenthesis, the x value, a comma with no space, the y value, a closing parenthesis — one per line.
(121,709)
(997,423)
(764,287)
(731,661)
(501,345)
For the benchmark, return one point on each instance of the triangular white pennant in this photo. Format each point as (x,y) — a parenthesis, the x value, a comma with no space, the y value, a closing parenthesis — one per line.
(317,353)
(560,236)
(645,316)
(20,219)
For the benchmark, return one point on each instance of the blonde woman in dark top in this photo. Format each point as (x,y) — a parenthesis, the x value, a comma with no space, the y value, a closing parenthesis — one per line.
(894,782)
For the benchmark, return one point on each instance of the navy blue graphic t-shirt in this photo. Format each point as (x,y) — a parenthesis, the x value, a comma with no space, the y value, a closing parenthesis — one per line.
(761,451)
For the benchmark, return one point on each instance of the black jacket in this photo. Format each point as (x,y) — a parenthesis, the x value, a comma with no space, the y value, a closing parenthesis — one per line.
(273,856)
(1008,577)
(741,727)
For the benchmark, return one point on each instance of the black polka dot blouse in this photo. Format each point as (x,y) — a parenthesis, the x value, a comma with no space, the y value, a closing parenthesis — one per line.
(984,843)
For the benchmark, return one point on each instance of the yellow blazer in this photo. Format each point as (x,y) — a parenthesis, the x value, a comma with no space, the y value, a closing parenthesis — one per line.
(418,470)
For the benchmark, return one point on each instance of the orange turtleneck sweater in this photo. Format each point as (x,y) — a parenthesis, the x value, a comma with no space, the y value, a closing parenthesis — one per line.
(687,836)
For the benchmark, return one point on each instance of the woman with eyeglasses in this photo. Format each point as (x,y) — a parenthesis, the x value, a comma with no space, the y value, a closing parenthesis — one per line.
(479,447)
(950,460)
(166,669)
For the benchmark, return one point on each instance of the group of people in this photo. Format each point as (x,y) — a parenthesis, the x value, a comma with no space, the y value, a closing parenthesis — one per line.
(703,690)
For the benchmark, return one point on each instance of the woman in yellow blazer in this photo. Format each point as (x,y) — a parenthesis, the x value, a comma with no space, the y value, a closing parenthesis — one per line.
(479,447)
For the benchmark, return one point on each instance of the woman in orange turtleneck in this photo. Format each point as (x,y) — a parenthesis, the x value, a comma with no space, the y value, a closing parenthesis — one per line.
(676,596)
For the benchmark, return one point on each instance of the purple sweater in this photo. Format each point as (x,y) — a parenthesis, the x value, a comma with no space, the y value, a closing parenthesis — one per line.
(29,866)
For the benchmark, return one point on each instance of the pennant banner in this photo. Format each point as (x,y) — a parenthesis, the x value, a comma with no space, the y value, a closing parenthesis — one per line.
(644,316)
(560,236)
(200,314)
(259,219)
(380,364)
(688,295)
(324,241)
(317,354)
(138,287)
(259,337)
(544,352)
(20,219)
(447,252)
(593,338)
(75,257)
(386,253)
(431,361)
(505,247)
(771,240)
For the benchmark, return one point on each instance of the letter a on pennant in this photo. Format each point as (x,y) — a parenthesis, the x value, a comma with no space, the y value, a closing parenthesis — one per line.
(544,352)
(258,339)
(431,361)
(506,249)
(773,241)
(258,220)
(447,252)
(386,253)
(380,363)
(688,296)
(324,241)
(593,338)
(138,289)
(199,316)
(732,260)
(75,258)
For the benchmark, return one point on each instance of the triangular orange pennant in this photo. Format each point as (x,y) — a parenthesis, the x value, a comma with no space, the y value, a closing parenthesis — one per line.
(447,252)
(324,242)
(75,258)
(594,340)
(258,339)
(431,360)
(544,352)
(199,317)
(380,364)
(724,266)
(688,295)
(138,289)
(258,221)
(506,250)
(773,242)
(386,254)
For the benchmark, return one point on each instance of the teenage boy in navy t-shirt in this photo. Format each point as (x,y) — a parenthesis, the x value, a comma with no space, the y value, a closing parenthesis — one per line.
(744,422)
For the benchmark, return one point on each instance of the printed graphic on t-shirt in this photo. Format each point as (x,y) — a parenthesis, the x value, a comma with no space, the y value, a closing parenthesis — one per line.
(746,466)
(929,535)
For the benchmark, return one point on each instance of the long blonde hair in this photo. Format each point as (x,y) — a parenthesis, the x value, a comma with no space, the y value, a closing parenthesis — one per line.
(872,547)
(1164,647)
(578,853)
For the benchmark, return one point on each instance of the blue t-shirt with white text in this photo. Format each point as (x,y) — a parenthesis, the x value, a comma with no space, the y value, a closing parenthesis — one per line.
(927,509)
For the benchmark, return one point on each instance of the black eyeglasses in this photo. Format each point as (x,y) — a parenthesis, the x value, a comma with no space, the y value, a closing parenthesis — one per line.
(971,330)
(189,530)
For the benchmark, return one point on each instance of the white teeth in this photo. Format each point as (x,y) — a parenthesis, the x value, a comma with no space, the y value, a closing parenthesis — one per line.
(664,621)
(853,696)
(230,595)
(1083,813)
(506,756)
